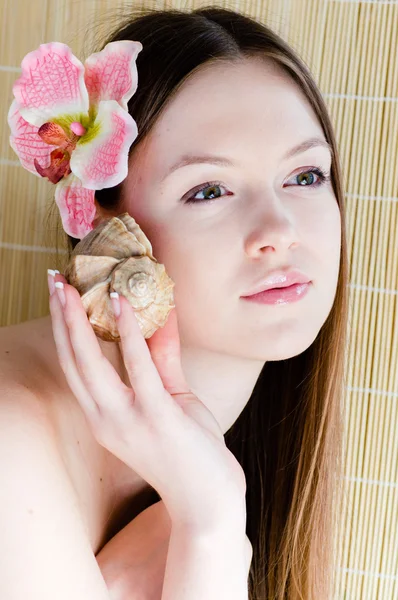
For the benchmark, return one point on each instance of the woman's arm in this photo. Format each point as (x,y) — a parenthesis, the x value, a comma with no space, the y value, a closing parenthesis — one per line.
(133,562)
(208,565)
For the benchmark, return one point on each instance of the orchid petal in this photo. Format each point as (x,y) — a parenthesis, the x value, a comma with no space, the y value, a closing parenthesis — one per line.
(51,85)
(26,142)
(76,206)
(101,160)
(112,73)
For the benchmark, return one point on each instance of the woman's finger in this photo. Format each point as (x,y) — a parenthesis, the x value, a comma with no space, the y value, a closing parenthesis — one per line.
(140,367)
(66,356)
(97,373)
(165,349)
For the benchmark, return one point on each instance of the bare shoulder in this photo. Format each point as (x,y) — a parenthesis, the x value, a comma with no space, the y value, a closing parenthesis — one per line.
(40,507)
(34,389)
(31,378)
(20,398)
(25,351)
(30,369)
(33,384)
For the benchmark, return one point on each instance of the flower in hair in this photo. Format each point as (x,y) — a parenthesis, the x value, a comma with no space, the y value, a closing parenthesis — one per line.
(70,123)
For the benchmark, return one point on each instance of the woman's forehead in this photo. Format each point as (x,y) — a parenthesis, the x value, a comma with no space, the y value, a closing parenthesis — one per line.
(237,111)
(237,93)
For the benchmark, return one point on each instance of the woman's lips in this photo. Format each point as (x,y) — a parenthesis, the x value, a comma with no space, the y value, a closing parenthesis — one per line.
(286,295)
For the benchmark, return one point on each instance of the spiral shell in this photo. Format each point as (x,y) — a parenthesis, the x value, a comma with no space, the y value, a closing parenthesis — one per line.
(117,256)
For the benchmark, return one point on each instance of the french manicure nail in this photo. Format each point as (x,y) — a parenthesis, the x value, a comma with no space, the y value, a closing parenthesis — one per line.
(115,303)
(61,293)
(50,278)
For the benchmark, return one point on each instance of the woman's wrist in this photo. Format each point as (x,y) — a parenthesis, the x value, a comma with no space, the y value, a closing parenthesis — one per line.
(228,517)
(207,565)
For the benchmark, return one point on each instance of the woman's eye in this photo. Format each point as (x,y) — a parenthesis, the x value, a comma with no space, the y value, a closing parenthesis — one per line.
(305,178)
(211,189)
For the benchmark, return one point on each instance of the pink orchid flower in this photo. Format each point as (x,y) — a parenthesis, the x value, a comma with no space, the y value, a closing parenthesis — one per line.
(70,123)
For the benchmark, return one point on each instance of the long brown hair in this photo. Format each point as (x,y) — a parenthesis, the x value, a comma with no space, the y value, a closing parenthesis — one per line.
(289,437)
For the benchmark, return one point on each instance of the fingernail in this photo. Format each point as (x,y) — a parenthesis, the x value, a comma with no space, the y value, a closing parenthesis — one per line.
(61,293)
(115,303)
(50,278)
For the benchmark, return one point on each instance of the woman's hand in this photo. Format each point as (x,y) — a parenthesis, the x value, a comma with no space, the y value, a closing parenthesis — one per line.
(158,427)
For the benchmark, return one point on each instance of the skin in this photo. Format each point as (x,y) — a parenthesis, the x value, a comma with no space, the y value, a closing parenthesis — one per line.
(262,218)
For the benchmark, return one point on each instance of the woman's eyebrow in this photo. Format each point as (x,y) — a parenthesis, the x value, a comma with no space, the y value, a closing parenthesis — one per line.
(190,159)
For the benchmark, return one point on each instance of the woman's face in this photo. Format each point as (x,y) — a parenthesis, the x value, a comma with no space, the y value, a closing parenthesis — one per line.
(261,216)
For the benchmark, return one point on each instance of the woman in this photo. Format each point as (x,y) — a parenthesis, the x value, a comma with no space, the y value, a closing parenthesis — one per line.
(212,82)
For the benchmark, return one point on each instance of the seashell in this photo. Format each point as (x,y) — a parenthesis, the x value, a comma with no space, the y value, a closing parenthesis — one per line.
(117,256)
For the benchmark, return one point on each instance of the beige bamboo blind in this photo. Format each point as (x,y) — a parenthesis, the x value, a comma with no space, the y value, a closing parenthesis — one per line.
(351,48)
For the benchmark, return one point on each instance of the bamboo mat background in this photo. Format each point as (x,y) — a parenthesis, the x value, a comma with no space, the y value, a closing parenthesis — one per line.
(351,48)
